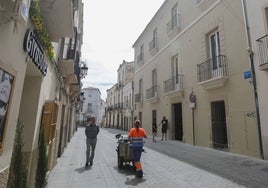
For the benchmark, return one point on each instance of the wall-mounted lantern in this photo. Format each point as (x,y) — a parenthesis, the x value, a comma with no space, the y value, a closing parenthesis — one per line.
(83,70)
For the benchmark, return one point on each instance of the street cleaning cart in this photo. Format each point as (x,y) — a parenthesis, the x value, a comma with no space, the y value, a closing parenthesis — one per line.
(124,151)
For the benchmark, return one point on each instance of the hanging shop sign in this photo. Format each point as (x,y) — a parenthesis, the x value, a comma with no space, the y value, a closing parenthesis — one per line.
(34,49)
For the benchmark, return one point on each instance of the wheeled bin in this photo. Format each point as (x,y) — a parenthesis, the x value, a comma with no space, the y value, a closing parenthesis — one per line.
(124,151)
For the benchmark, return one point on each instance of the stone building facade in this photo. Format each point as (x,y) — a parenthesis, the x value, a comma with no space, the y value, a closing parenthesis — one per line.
(189,67)
(39,77)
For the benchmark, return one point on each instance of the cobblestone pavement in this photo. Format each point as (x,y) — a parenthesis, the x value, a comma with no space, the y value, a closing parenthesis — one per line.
(160,170)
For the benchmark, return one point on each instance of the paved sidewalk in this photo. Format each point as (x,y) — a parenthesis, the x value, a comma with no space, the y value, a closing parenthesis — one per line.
(160,170)
(248,171)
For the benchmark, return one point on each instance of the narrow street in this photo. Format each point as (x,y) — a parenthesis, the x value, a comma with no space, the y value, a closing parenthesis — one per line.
(160,170)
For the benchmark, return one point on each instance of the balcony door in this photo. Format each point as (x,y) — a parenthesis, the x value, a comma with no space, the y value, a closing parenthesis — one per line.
(154,83)
(175,72)
(174,17)
(214,52)
(141,89)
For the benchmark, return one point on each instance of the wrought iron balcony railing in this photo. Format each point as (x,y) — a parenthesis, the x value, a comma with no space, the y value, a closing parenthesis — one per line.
(262,45)
(174,83)
(127,105)
(138,98)
(212,68)
(140,57)
(153,44)
(152,92)
(120,105)
(173,23)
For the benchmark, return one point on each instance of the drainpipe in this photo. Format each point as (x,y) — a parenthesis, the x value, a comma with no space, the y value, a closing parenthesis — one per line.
(251,61)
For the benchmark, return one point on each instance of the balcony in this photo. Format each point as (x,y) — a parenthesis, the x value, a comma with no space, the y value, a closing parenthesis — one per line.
(138,98)
(126,105)
(110,108)
(68,57)
(116,106)
(205,4)
(66,67)
(262,46)
(213,72)
(140,58)
(89,111)
(72,79)
(153,46)
(173,26)
(121,105)
(152,93)
(74,89)
(58,18)
(174,86)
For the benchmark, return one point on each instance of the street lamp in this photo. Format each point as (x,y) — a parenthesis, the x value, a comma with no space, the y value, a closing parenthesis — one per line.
(83,70)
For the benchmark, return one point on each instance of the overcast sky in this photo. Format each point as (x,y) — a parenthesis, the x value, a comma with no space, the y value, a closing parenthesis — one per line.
(110,29)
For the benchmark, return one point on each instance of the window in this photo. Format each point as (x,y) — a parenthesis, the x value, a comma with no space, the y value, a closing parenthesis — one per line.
(174,17)
(154,82)
(140,57)
(140,88)
(154,38)
(153,43)
(176,70)
(129,99)
(266,16)
(89,107)
(6,81)
(214,49)
(177,82)
(24,9)
(154,78)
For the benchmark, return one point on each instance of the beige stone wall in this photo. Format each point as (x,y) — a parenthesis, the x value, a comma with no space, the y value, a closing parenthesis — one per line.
(256,11)
(191,47)
(12,60)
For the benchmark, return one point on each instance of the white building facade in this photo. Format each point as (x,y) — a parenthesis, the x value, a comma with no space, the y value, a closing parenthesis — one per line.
(189,67)
(92,104)
(116,109)
(257,15)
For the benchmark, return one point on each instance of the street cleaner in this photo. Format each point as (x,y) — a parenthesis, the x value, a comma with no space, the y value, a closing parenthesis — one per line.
(136,135)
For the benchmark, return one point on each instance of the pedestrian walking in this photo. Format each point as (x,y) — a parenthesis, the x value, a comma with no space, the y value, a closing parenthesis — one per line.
(91,131)
(164,123)
(136,135)
(154,131)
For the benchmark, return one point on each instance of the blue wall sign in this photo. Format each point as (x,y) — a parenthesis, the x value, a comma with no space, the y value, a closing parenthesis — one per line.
(247,74)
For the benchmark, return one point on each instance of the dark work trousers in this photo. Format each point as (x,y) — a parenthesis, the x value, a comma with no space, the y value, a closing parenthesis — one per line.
(91,144)
(137,150)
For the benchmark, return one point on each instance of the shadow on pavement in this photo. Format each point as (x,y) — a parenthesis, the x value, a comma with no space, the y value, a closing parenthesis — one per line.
(134,181)
(126,169)
(82,169)
(130,172)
